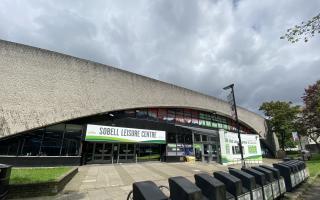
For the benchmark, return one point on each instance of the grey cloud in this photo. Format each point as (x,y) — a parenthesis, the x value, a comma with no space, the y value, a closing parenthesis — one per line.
(201,45)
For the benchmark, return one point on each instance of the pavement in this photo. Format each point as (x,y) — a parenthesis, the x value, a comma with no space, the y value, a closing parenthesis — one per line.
(313,192)
(114,181)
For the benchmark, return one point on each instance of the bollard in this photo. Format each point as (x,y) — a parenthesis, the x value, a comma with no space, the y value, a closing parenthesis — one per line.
(271,179)
(286,173)
(234,185)
(276,175)
(182,189)
(211,188)
(261,180)
(147,190)
(293,174)
(249,182)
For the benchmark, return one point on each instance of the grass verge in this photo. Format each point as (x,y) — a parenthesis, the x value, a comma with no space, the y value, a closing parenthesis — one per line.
(36,175)
(314,165)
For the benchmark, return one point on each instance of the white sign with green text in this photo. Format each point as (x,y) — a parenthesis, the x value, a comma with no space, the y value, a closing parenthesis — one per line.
(230,151)
(96,133)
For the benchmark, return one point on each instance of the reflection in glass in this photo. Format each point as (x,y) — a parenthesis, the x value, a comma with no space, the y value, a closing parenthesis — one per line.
(71,140)
(52,140)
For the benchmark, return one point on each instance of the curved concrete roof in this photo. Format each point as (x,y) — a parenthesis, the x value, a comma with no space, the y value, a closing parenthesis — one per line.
(40,87)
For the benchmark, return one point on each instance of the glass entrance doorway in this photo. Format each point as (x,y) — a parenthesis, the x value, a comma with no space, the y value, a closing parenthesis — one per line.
(210,152)
(110,153)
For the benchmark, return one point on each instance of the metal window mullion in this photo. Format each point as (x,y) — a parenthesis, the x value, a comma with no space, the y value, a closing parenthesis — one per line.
(41,141)
(62,139)
(19,142)
(21,150)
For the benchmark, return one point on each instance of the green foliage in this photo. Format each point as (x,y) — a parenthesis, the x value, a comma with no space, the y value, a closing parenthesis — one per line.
(304,31)
(36,175)
(281,116)
(308,123)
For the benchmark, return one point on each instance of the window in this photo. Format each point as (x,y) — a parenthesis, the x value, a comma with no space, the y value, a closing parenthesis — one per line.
(71,140)
(179,116)
(204,138)
(187,116)
(52,140)
(152,113)
(236,150)
(202,120)
(171,116)
(142,113)
(31,143)
(10,146)
(162,114)
(171,138)
(195,117)
(171,149)
(197,138)
(130,113)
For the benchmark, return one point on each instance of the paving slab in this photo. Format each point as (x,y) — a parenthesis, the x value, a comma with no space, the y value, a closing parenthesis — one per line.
(114,181)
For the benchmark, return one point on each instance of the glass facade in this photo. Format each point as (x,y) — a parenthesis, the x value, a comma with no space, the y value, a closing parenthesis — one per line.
(187,117)
(57,140)
(65,139)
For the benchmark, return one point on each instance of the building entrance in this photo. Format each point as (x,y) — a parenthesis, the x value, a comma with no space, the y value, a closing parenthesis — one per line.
(110,153)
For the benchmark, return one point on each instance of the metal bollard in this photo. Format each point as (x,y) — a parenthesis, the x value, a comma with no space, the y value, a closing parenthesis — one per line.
(276,175)
(183,189)
(261,180)
(147,190)
(211,188)
(249,182)
(233,184)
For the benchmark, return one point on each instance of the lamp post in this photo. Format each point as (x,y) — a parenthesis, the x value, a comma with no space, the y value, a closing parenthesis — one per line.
(232,101)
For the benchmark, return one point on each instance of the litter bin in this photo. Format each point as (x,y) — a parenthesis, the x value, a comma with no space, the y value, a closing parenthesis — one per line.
(301,166)
(249,182)
(294,173)
(147,190)
(261,180)
(182,188)
(234,185)
(211,188)
(271,179)
(5,172)
(276,175)
(286,173)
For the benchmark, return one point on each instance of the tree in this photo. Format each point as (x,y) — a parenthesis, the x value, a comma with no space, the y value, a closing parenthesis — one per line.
(281,116)
(304,31)
(308,123)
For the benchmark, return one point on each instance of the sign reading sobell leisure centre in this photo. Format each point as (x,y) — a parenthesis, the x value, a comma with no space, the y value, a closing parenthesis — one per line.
(96,133)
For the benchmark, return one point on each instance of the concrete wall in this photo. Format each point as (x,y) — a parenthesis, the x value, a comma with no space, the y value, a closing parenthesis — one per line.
(40,87)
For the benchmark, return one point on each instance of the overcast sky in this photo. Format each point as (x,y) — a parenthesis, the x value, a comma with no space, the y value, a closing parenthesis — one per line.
(198,44)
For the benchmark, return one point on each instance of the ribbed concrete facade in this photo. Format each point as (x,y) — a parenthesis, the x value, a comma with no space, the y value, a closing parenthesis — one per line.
(40,87)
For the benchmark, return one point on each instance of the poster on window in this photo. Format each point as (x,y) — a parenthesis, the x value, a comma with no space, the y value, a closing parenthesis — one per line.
(230,151)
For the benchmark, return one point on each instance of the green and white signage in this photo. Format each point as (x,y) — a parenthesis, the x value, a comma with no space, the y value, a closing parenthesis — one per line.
(230,152)
(96,133)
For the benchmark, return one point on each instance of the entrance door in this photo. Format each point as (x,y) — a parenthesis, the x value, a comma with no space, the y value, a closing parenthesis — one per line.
(209,152)
(102,153)
(126,153)
(111,153)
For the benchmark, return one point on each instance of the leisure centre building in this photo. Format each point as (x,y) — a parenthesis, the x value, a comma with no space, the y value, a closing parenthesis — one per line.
(56,109)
